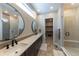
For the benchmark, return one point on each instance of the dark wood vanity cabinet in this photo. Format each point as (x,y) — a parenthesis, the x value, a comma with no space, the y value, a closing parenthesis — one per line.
(34,48)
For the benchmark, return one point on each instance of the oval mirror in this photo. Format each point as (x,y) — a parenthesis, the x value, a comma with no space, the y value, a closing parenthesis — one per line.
(11,21)
(34,26)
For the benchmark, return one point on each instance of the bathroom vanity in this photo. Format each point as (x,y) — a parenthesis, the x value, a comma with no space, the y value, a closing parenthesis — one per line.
(12,26)
(27,47)
(34,47)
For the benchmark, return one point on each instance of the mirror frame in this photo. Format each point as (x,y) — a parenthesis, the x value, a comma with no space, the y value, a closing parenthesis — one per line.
(32,26)
(21,17)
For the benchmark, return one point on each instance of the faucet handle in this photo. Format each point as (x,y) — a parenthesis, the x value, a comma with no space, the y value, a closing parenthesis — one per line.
(7,46)
(16,42)
(12,42)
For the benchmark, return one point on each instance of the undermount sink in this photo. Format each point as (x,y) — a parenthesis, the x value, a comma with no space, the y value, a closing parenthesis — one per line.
(19,48)
(15,50)
(24,42)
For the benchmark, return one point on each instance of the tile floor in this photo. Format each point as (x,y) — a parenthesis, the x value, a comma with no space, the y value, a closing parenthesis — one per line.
(47,49)
(57,52)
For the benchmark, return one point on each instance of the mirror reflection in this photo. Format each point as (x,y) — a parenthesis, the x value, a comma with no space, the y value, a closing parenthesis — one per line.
(11,22)
(34,26)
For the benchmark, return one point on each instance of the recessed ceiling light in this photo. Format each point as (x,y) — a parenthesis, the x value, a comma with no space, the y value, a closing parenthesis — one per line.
(72,3)
(15,15)
(51,7)
(6,11)
(4,20)
(38,10)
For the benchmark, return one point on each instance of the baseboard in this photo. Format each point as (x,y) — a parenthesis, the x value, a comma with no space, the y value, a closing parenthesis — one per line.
(72,41)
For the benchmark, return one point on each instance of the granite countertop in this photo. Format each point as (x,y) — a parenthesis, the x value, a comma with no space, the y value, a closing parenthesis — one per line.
(22,46)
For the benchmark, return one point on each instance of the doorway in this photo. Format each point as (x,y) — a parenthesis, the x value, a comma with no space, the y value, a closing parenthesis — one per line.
(49,35)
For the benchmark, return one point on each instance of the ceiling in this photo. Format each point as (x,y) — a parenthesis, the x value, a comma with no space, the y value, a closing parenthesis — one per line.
(70,5)
(42,8)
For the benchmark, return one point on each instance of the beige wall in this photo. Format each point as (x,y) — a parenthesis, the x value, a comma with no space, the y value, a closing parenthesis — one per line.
(72,19)
(28,20)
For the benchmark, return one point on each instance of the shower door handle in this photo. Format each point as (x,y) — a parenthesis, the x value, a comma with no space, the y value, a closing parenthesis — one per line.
(67,34)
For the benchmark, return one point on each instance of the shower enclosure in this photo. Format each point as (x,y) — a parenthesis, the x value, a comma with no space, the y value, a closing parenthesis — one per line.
(71,29)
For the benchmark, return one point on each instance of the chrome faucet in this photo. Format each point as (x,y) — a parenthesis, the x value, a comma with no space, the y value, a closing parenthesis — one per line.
(14,41)
(7,46)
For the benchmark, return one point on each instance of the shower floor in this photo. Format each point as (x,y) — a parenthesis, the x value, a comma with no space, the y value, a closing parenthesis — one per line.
(72,47)
(73,51)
